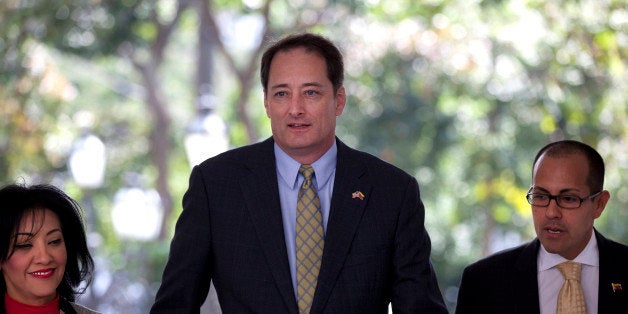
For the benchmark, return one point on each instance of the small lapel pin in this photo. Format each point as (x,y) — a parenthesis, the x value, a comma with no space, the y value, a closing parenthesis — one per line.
(616,287)
(358,194)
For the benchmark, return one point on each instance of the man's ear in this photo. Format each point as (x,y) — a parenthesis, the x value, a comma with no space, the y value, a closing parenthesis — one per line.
(600,202)
(341,100)
(266,105)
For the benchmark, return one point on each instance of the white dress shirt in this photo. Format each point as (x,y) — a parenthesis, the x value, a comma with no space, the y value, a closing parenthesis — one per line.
(550,279)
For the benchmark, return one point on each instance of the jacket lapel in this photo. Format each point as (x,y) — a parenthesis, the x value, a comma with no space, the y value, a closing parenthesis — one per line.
(345,213)
(612,286)
(261,196)
(609,300)
(526,281)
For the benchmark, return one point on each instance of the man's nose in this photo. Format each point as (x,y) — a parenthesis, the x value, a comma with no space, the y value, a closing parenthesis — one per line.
(296,105)
(553,211)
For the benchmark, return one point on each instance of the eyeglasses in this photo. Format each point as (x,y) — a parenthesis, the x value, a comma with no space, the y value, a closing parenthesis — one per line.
(564,201)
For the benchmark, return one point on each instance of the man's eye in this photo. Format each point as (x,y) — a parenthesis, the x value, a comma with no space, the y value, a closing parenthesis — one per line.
(569,199)
(541,197)
(310,92)
(280,94)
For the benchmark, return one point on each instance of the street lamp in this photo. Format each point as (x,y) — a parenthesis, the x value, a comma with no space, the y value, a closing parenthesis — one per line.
(87,162)
(87,165)
(137,213)
(206,134)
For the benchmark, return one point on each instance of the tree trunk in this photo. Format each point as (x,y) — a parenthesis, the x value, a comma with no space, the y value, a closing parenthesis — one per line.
(159,141)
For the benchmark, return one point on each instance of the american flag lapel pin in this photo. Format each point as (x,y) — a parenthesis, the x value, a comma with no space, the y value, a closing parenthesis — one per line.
(616,287)
(358,194)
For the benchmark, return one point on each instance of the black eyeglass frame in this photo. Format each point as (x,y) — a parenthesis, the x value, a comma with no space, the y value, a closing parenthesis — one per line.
(557,199)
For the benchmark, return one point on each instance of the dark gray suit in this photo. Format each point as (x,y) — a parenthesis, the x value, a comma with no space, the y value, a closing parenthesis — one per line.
(230,231)
(507,281)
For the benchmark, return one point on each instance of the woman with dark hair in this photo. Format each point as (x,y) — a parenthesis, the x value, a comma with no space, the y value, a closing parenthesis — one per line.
(43,251)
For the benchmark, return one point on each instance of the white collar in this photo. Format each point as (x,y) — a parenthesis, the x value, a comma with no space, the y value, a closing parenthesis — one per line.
(589,256)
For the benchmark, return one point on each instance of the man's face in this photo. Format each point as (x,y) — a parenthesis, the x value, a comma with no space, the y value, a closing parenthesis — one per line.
(565,231)
(302,105)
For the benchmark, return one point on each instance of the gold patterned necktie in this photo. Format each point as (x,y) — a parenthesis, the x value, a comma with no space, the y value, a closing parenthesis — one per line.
(571,296)
(309,240)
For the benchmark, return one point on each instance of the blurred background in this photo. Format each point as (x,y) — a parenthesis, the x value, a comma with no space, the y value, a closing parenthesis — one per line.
(114,101)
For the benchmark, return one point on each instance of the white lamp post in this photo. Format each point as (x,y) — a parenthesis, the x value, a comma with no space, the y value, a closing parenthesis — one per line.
(206,136)
(88,161)
(137,213)
(87,164)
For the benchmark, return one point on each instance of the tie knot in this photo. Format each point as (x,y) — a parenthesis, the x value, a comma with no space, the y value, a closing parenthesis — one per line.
(570,270)
(307,171)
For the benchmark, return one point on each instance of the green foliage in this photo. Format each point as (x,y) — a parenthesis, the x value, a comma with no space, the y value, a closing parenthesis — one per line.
(461,94)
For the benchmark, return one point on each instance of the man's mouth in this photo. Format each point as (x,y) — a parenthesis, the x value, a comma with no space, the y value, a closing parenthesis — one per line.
(554,230)
(298,125)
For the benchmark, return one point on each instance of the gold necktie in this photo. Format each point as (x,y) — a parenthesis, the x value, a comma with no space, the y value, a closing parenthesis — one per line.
(309,240)
(571,296)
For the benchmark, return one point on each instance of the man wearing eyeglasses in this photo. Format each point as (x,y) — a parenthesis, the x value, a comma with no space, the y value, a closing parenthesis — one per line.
(566,197)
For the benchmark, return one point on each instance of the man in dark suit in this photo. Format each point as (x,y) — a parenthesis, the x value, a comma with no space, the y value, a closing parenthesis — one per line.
(238,225)
(566,197)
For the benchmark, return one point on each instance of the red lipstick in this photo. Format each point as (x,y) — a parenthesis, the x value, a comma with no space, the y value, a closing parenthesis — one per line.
(43,273)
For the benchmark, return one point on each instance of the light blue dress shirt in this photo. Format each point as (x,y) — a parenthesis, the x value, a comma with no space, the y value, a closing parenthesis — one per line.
(289,183)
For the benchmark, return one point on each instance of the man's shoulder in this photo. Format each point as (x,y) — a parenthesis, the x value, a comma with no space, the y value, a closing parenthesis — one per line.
(506,259)
(614,250)
(374,164)
(253,153)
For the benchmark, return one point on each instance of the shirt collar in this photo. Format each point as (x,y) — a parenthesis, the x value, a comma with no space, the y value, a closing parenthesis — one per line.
(588,256)
(288,168)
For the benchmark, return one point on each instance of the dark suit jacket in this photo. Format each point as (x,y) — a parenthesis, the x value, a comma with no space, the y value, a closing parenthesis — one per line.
(507,281)
(230,231)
